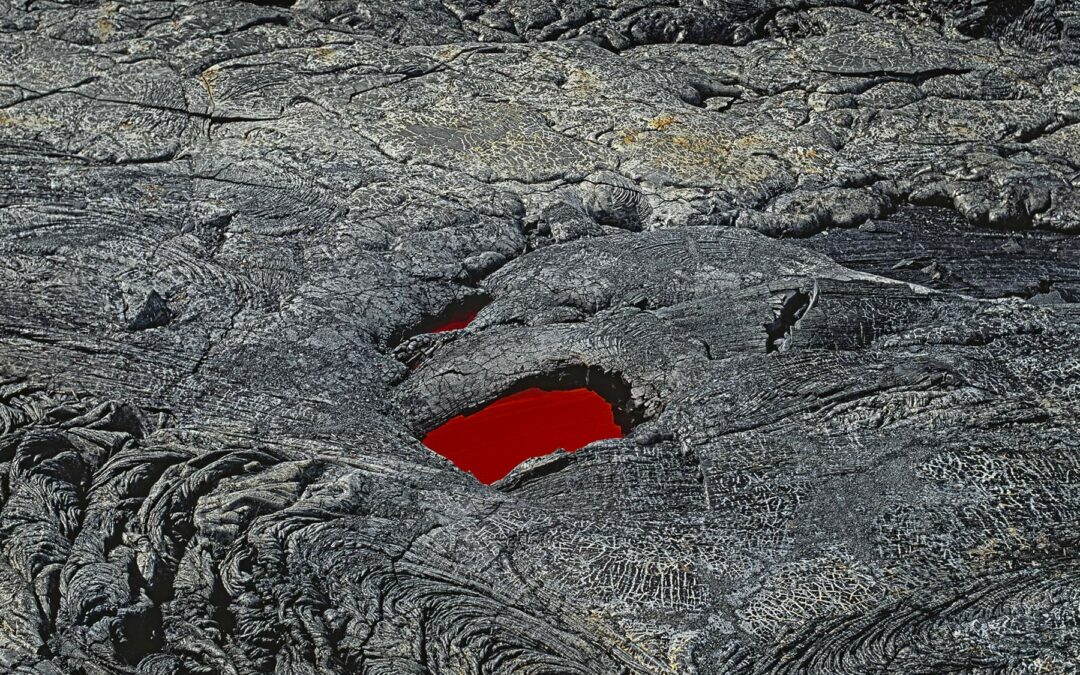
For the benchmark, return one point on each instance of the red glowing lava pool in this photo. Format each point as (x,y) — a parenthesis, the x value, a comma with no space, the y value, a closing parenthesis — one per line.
(532,423)
(455,321)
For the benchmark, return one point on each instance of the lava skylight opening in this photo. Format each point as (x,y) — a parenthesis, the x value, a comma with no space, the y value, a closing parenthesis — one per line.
(531,423)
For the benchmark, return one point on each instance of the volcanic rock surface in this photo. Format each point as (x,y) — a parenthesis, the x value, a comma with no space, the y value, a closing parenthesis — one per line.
(820,254)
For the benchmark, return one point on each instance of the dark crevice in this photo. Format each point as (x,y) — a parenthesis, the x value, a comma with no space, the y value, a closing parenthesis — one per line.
(276,20)
(778,332)
(612,386)
(222,614)
(219,120)
(153,314)
(995,18)
(454,316)
(272,3)
(139,633)
(881,76)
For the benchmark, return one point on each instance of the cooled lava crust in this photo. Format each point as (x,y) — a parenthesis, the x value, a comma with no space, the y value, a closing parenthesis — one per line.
(819,256)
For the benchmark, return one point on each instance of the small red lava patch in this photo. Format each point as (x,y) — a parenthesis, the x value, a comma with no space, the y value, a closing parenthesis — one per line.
(458,320)
(532,423)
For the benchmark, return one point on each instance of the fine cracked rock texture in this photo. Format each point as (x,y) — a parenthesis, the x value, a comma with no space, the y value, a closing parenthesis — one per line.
(821,254)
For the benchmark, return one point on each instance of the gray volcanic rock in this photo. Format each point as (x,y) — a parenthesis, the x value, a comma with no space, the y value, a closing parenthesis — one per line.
(227,227)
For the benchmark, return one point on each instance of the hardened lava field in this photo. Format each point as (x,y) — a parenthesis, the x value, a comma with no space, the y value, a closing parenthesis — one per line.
(792,284)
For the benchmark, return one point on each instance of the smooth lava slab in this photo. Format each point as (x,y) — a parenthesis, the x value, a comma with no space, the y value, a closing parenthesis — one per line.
(532,423)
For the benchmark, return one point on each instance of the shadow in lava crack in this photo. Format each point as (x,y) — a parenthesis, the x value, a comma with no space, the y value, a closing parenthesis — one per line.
(454,316)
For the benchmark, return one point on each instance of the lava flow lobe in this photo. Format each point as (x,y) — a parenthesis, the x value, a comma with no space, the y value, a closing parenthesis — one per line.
(532,423)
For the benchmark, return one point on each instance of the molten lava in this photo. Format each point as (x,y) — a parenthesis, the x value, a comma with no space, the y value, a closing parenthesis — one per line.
(532,423)
(458,320)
